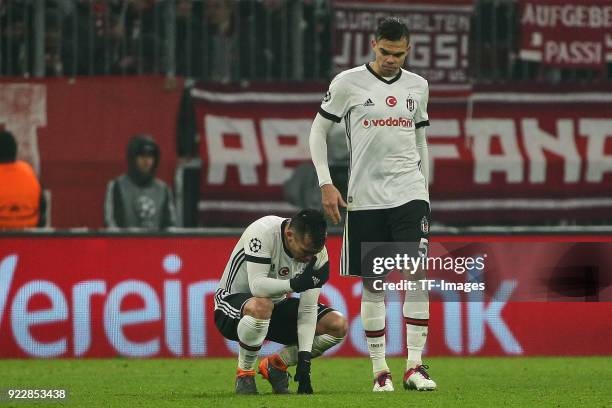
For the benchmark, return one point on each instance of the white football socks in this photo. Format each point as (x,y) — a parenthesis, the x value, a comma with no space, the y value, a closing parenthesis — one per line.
(289,354)
(416,336)
(251,333)
(416,316)
(373,321)
(320,344)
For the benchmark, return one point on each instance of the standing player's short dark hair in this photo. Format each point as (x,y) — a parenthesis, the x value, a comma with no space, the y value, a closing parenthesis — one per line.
(392,29)
(312,223)
(8,147)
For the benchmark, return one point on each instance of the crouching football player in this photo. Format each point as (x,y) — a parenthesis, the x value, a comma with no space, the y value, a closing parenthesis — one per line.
(274,257)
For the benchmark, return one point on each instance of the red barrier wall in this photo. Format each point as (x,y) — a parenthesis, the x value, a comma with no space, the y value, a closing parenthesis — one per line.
(153,297)
(76,132)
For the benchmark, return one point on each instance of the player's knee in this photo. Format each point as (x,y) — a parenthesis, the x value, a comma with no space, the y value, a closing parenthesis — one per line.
(337,325)
(259,308)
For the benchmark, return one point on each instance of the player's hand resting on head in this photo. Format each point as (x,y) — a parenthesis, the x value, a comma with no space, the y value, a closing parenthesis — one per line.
(310,278)
(302,373)
(331,199)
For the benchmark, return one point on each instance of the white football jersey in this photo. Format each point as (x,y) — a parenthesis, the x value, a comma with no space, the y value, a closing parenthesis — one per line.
(380,117)
(262,242)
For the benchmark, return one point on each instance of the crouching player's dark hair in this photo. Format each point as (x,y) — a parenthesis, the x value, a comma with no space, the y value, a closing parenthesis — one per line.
(312,223)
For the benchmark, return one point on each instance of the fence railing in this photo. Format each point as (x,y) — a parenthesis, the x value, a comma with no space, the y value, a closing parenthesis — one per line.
(225,40)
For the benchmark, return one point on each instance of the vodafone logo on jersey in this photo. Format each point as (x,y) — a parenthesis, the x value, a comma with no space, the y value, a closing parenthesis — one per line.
(391,122)
(391,101)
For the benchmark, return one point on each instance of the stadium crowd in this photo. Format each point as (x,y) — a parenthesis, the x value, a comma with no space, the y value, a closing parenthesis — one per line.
(226,40)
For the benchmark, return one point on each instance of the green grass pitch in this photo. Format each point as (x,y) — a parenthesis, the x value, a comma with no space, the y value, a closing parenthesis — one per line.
(338,382)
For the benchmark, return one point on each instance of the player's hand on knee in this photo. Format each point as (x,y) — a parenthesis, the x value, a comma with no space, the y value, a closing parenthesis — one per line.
(302,373)
(331,199)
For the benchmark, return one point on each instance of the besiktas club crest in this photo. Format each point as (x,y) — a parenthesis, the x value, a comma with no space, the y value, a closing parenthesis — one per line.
(425,225)
(410,104)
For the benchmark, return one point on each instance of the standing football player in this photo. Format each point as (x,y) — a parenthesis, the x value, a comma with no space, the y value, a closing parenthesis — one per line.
(274,257)
(384,108)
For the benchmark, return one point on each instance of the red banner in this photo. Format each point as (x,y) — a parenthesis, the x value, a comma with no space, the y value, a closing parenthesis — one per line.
(438,34)
(75,134)
(153,297)
(566,35)
(494,157)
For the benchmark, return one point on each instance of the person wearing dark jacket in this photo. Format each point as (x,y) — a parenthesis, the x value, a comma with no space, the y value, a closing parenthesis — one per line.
(137,199)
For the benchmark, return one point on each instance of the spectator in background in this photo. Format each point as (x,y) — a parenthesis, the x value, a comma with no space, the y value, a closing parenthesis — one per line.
(112,37)
(15,47)
(137,199)
(140,48)
(191,44)
(267,34)
(265,37)
(302,188)
(92,38)
(53,43)
(222,31)
(22,204)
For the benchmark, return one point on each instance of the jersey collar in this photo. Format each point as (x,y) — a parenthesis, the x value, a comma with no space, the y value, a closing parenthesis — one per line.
(282,231)
(389,82)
